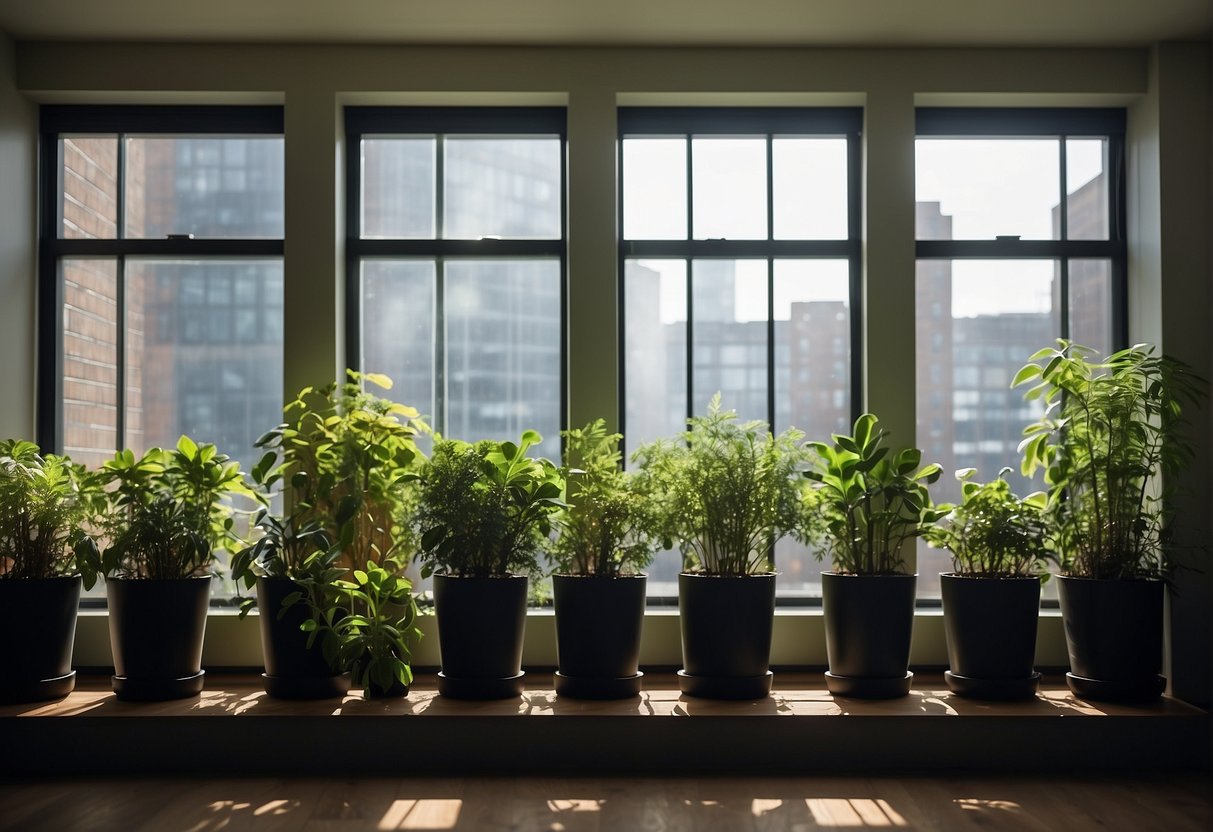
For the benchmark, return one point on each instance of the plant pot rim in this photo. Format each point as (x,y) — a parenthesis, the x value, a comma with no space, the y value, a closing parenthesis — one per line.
(1111,580)
(962,577)
(136,580)
(73,577)
(833,574)
(451,577)
(736,577)
(598,577)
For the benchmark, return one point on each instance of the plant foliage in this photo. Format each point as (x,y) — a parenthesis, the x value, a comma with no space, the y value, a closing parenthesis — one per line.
(44,505)
(166,513)
(1111,444)
(725,493)
(993,533)
(601,530)
(868,503)
(485,509)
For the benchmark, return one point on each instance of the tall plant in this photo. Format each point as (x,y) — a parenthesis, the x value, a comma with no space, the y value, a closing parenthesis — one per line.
(44,505)
(602,528)
(485,509)
(867,504)
(1111,444)
(725,493)
(167,512)
(993,533)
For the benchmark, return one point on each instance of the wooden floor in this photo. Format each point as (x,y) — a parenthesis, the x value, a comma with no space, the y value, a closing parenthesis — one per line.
(730,804)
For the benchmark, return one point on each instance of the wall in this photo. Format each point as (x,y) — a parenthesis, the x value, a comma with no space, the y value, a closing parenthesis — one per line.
(18,126)
(1169,144)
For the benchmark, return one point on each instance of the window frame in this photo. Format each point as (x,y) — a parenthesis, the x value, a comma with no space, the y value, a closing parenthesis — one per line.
(56,120)
(377,121)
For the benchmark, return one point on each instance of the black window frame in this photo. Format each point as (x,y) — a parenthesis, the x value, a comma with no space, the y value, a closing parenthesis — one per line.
(55,121)
(370,122)
(766,122)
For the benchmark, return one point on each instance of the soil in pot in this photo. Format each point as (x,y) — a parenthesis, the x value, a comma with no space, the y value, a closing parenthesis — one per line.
(292,669)
(990,625)
(598,625)
(868,622)
(481,624)
(156,633)
(1114,638)
(726,635)
(37,665)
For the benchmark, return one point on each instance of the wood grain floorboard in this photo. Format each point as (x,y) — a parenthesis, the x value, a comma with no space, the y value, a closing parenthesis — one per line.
(952,803)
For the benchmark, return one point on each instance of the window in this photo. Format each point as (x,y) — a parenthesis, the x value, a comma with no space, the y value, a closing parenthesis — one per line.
(161,278)
(740,257)
(1020,221)
(456,263)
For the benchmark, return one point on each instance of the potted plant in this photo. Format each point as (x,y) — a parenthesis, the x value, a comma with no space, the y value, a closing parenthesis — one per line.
(484,511)
(598,588)
(725,493)
(44,503)
(329,568)
(866,506)
(165,515)
(1111,447)
(991,601)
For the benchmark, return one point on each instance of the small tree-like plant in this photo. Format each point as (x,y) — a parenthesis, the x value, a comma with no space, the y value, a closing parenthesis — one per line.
(1111,446)
(485,509)
(601,528)
(725,493)
(867,504)
(992,533)
(44,505)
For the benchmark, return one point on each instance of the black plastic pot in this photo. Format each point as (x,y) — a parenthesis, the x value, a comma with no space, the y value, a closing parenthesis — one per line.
(292,669)
(38,627)
(481,624)
(868,623)
(1114,638)
(726,635)
(990,625)
(156,633)
(598,623)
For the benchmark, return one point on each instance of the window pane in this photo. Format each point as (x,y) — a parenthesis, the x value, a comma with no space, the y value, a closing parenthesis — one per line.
(989,187)
(398,328)
(1091,304)
(655,189)
(90,360)
(810,180)
(978,321)
(502,187)
(1087,189)
(212,186)
(729,335)
(655,350)
(398,187)
(730,188)
(503,350)
(90,187)
(196,363)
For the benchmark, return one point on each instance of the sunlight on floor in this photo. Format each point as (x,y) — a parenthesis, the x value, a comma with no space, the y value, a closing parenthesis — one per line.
(851,812)
(430,814)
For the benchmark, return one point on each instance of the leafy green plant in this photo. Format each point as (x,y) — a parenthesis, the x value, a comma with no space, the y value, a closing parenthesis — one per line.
(867,504)
(346,460)
(1111,444)
(44,505)
(725,493)
(993,533)
(485,509)
(167,512)
(601,529)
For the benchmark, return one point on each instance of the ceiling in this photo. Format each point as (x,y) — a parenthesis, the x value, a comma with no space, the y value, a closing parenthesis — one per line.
(620,22)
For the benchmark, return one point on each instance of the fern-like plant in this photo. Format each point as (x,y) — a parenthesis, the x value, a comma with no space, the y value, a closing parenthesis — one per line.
(866,504)
(1111,444)
(724,493)
(44,504)
(602,528)
(992,533)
